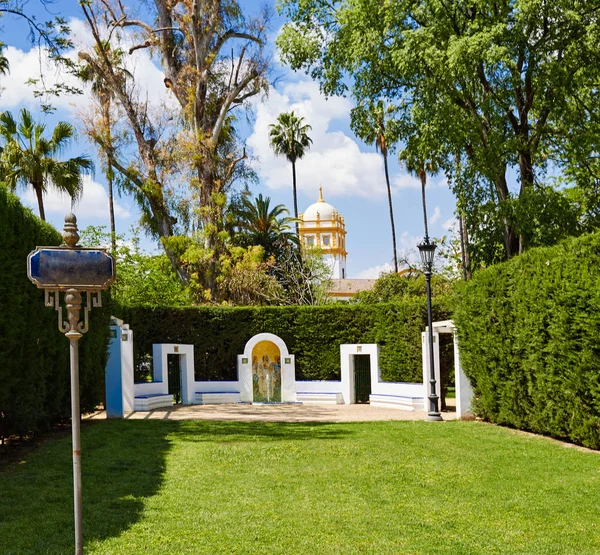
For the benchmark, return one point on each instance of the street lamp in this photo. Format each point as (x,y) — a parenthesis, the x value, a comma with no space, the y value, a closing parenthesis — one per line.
(427,252)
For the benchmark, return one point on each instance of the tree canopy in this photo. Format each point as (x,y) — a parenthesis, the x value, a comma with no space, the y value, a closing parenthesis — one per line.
(481,88)
(212,58)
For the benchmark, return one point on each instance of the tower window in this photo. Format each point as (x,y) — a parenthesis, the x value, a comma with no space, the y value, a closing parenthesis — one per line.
(326,240)
(343,273)
(310,241)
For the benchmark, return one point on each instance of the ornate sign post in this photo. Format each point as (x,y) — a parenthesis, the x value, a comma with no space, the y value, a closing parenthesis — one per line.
(72,270)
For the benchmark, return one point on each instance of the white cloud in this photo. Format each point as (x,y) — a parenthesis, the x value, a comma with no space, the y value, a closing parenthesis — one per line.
(405,180)
(334,160)
(148,77)
(28,65)
(407,248)
(407,253)
(435,216)
(451,224)
(375,271)
(93,203)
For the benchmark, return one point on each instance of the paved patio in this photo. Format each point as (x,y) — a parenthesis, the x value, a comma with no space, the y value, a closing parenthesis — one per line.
(278,413)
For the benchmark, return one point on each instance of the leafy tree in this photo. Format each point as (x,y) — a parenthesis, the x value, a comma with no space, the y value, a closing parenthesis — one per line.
(301,274)
(29,158)
(411,285)
(374,124)
(213,63)
(142,278)
(487,82)
(244,277)
(247,279)
(289,138)
(304,275)
(259,224)
(101,131)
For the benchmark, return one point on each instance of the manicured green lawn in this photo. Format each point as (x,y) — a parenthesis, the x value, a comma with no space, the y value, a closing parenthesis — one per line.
(228,487)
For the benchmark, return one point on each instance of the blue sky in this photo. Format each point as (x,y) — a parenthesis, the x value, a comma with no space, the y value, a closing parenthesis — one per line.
(350,172)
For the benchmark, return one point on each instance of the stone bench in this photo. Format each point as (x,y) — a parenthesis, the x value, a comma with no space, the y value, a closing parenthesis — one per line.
(320,397)
(401,402)
(152,401)
(216,397)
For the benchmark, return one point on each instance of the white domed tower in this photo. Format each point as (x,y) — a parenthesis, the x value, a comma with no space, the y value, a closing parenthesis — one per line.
(321,225)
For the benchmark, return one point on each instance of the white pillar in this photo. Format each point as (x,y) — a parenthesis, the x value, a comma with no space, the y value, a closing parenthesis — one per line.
(464,393)
(127,369)
(347,367)
(244,367)
(186,360)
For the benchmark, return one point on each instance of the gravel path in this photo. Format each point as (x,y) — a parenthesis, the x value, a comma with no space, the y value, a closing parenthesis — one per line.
(276,413)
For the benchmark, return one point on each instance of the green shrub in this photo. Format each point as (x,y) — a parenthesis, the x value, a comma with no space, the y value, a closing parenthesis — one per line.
(528,332)
(34,355)
(312,333)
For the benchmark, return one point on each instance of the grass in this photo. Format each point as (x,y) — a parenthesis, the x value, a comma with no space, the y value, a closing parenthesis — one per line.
(231,487)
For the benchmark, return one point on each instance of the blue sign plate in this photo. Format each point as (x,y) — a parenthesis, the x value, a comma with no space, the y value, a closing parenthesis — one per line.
(66,268)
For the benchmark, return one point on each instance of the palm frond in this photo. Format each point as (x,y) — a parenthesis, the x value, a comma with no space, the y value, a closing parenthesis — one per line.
(61,136)
(4,65)
(29,158)
(289,136)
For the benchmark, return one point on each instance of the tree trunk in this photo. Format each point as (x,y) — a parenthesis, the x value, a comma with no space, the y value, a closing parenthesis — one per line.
(464,247)
(111,208)
(511,240)
(295,195)
(38,194)
(389,191)
(423,177)
(527,180)
(210,218)
(525,170)
(109,179)
(165,229)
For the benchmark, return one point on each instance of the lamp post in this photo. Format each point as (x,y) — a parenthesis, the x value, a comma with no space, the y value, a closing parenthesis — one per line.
(427,252)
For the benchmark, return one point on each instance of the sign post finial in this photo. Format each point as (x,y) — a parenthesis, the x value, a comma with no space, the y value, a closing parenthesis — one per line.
(70,235)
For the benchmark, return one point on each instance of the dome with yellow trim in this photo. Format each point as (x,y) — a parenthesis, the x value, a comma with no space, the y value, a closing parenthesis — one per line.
(320,210)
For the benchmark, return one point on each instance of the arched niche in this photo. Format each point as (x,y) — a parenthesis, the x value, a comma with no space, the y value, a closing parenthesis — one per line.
(264,379)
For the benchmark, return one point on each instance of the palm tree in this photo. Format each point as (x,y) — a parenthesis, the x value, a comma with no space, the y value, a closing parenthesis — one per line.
(29,158)
(289,138)
(416,165)
(4,66)
(265,226)
(372,123)
(91,72)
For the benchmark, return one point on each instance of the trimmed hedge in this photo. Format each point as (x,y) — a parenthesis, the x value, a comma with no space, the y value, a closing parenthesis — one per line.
(529,332)
(34,355)
(312,333)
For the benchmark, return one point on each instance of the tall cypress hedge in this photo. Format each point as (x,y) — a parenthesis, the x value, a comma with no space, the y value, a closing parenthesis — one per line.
(312,333)
(34,355)
(529,332)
